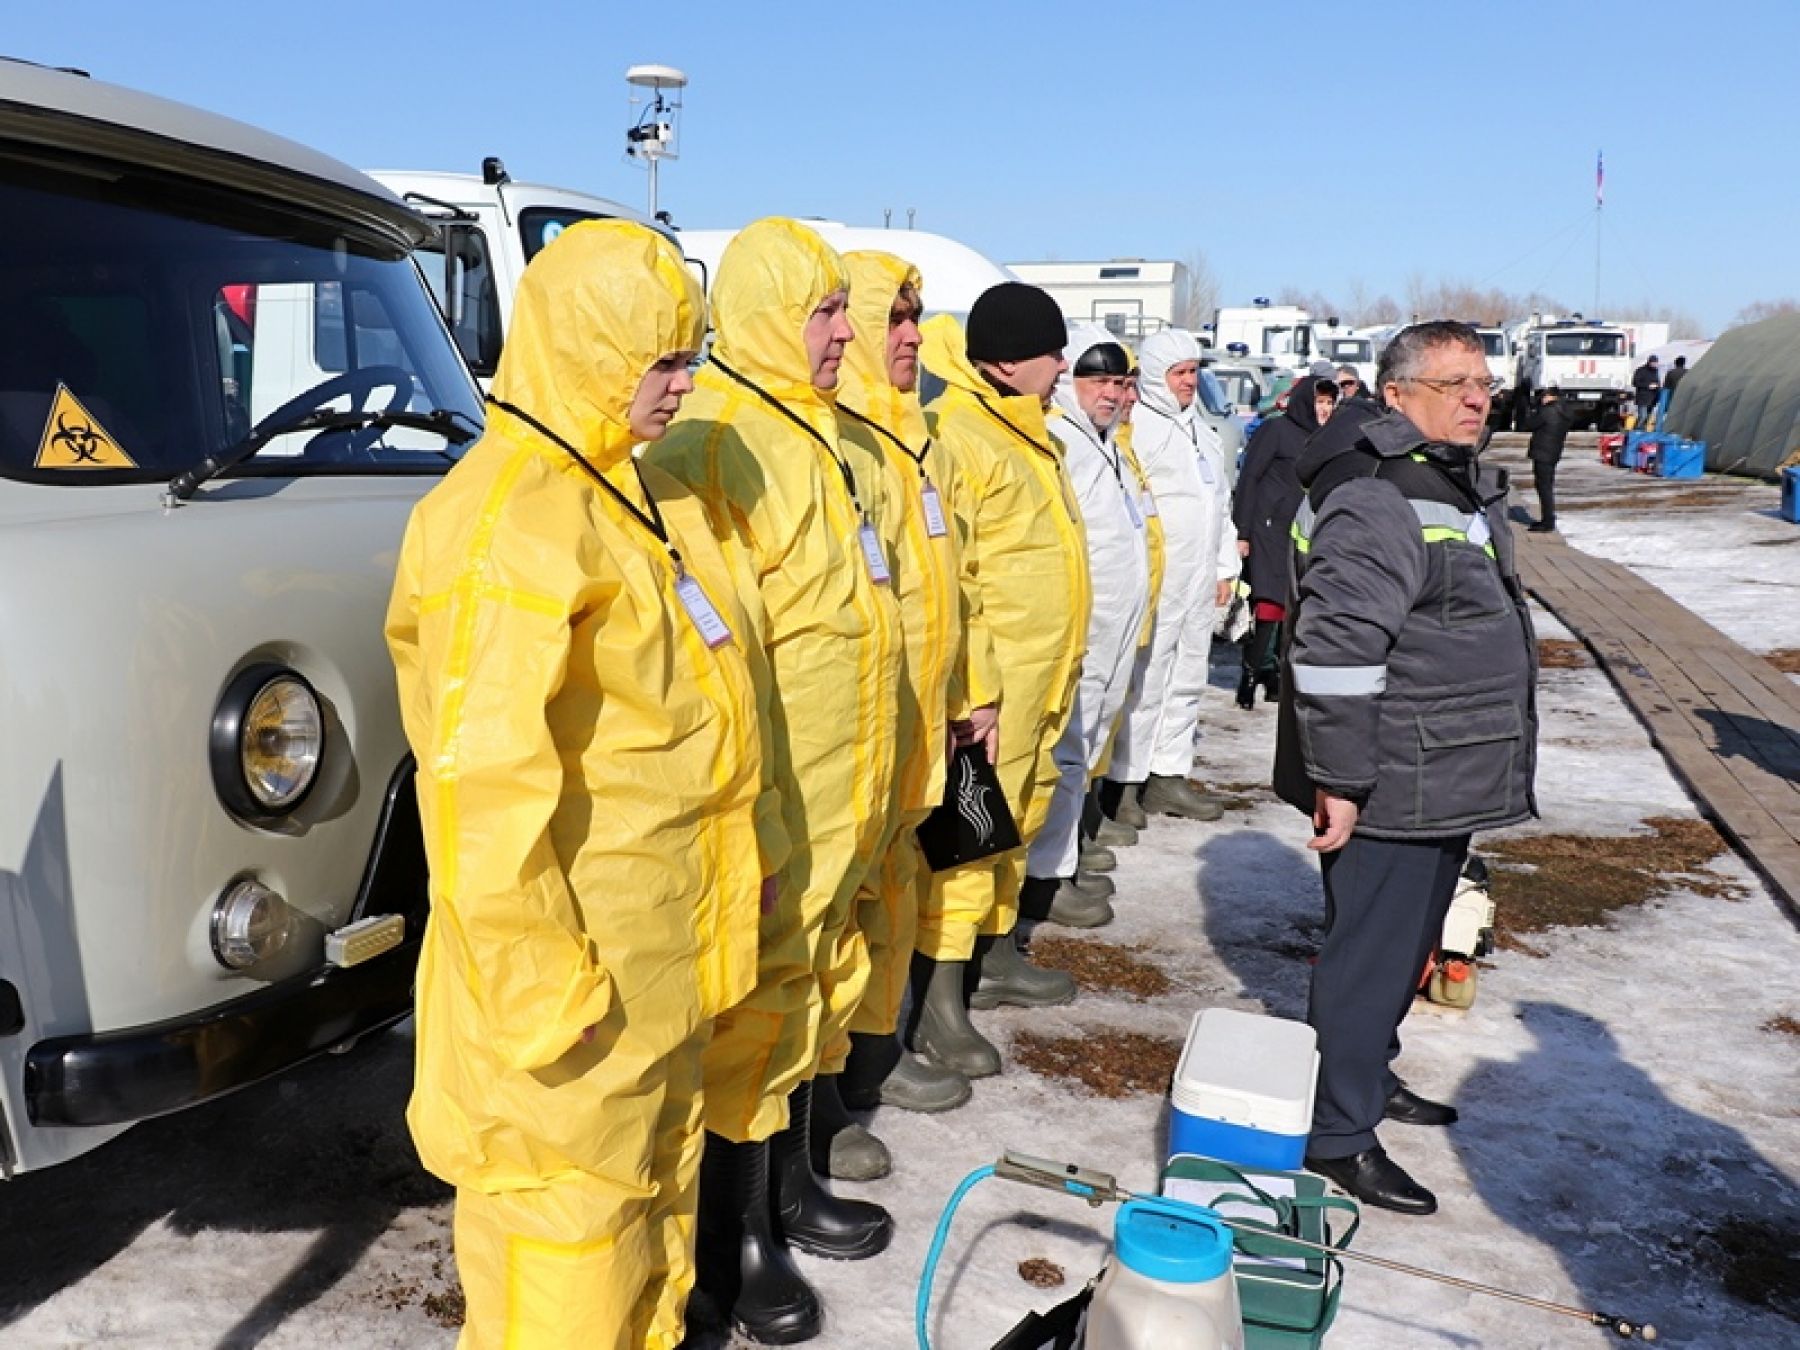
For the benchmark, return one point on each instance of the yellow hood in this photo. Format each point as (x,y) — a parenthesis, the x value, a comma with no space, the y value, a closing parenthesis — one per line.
(863,383)
(595,310)
(772,276)
(945,353)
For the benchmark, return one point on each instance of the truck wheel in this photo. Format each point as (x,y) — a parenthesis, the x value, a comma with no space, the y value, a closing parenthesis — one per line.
(1610,419)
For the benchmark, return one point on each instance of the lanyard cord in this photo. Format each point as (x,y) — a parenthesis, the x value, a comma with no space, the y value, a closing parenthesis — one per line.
(652,522)
(875,426)
(804,425)
(1055,463)
(1192,435)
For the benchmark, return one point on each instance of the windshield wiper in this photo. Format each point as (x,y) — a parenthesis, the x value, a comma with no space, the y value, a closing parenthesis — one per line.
(456,427)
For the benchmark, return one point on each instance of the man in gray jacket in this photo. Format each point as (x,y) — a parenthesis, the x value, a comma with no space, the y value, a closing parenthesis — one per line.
(1408,718)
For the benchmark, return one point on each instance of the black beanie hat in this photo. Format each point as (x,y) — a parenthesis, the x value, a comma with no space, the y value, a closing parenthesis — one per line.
(1014,322)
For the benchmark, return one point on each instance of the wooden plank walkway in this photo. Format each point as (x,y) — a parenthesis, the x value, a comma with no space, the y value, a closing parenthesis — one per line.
(1726,720)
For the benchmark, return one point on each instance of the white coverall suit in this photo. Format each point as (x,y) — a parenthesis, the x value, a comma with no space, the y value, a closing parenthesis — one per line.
(1119,563)
(1182,458)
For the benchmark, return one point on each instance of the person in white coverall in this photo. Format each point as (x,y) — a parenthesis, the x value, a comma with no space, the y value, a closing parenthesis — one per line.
(1087,403)
(1186,467)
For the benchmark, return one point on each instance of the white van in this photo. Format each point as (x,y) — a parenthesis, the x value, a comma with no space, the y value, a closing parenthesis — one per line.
(223,385)
(489,228)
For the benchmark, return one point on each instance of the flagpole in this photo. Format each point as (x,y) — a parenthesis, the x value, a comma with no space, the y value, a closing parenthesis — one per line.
(1599,206)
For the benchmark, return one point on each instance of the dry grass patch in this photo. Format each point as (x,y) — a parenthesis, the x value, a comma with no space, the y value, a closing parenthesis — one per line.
(1042,1274)
(1102,967)
(1784,659)
(1545,881)
(1783,1024)
(1111,1064)
(1562,654)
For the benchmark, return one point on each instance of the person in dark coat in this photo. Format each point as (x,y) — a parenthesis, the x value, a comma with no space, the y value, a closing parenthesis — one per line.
(1646,384)
(1676,375)
(1549,427)
(1268,491)
(1408,719)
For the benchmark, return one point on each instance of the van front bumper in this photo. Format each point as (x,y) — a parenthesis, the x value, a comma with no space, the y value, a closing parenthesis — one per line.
(115,1077)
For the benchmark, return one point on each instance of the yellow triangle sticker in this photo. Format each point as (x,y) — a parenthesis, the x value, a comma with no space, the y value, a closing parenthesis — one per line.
(74,439)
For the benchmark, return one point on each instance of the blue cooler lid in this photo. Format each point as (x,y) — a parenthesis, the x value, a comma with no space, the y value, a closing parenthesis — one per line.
(1179,1243)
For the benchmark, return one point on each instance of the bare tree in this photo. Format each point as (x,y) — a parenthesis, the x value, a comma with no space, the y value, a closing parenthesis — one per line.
(1202,292)
(1765,309)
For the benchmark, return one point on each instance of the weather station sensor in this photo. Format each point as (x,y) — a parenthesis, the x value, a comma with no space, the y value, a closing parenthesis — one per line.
(654,133)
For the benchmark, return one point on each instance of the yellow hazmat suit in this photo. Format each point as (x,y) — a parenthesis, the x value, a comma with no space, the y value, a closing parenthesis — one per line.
(887,425)
(759,445)
(588,916)
(1026,595)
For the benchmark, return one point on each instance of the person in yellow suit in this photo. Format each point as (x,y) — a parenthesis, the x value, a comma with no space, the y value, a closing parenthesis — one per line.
(758,443)
(1026,596)
(884,423)
(561,618)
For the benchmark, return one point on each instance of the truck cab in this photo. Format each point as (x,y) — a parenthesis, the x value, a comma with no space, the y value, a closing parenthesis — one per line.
(223,386)
(1283,333)
(1502,367)
(1347,346)
(1590,363)
(489,228)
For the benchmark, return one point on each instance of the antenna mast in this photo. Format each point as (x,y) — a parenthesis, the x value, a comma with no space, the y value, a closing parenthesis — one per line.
(652,136)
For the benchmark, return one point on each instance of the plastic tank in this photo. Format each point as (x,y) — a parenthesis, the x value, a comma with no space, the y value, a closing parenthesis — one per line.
(1169,1283)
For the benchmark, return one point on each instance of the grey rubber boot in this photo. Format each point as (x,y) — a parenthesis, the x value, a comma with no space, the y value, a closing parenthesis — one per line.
(1116,833)
(1075,908)
(1130,814)
(1008,978)
(1167,795)
(1092,885)
(1096,858)
(940,1028)
(839,1146)
(923,1085)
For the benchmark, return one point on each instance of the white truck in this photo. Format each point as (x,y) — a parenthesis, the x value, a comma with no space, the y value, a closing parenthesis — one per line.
(1503,367)
(1347,346)
(489,228)
(1285,333)
(1590,363)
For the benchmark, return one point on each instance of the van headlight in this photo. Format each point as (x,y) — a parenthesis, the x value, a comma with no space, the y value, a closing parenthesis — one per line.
(268,736)
(250,923)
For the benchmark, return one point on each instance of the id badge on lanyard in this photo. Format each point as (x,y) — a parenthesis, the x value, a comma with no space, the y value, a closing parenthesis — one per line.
(1480,531)
(934,511)
(1131,507)
(1206,471)
(1150,510)
(872,554)
(706,619)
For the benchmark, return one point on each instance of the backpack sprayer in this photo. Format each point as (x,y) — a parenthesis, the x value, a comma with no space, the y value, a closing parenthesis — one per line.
(1100,1188)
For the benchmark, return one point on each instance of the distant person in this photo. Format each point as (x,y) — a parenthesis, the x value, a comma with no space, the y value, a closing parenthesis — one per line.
(1549,426)
(1646,384)
(1407,719)
(1350,384)
(1677,373)
(1267,494)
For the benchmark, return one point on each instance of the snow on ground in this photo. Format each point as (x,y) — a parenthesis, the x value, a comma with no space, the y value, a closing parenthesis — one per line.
(1618,1094)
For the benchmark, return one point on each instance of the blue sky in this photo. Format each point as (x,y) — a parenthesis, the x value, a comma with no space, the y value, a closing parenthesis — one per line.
(1311,145)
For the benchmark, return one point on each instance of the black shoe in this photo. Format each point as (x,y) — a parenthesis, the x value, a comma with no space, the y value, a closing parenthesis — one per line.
(1409,1108)
(741,1264)
(1246,690)
(806,1214)
(1376,1179)
(1540,528)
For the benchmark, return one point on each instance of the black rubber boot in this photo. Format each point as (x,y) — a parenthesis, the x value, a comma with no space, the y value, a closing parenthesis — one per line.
(741,1264)
(1246,686)
(939,1027)
(841,1146)
(872,1059)
(810,1217)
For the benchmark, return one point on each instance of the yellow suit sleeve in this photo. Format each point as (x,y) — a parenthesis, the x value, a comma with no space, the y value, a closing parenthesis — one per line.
(494,778)
(980,675)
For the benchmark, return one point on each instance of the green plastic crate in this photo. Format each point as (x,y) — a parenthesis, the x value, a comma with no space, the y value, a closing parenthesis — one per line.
(1286,1306)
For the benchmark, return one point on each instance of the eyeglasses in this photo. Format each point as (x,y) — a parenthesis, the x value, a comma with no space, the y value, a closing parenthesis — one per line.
(1462,385)
(1348,384)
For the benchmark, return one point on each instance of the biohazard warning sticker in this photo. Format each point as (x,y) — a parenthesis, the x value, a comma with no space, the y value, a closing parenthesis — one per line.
(74,439)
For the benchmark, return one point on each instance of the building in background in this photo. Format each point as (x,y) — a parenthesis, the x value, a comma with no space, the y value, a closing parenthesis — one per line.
(1129,297)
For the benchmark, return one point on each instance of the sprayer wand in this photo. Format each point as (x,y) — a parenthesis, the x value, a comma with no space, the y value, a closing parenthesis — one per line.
(1099,1188)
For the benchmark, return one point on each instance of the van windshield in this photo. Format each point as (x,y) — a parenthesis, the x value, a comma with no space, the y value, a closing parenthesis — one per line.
(147,322)
(1494,344)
